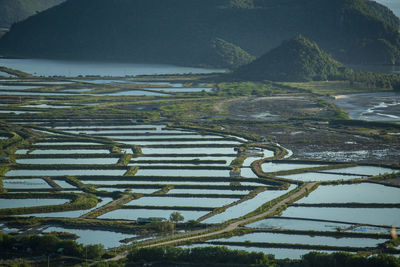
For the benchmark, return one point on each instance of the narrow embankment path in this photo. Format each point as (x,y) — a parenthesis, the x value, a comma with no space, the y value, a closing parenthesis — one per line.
(229,227)
(113,205)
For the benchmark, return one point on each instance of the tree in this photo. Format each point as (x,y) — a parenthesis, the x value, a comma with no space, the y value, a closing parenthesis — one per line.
(95,251)
(176,217)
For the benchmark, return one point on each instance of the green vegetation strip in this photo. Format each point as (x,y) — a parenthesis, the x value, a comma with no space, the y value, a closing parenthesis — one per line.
(219,210)
(313,169)
(113,205)
(266,206)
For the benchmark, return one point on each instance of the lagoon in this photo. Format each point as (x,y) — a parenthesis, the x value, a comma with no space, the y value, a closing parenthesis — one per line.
(69,68)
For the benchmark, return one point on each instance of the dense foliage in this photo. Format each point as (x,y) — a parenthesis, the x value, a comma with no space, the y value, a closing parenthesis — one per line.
(375,80)
(222,256)
(12,11)
(198,255)
(297,59)
(38,245)
(205,32)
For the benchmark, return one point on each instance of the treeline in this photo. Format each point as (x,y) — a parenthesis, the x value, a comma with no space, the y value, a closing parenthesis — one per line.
(374,80)
(222,256)
(39,245)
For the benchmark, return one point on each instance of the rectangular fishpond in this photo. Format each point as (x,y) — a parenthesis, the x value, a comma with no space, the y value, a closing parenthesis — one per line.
(62,161)
(89,237)
(133,214)
(381,216)
(304,239)
(14,173)
(182,202)
(359,193)
(29,202)
(35,183)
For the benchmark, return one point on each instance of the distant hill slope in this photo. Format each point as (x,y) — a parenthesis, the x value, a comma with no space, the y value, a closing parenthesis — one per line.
(297,59)
(224,33)
(12,11)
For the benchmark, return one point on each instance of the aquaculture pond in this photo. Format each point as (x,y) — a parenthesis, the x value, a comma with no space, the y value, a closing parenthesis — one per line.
(29,202)
(190,150)
(364,170)
(310,225)
(248,173)
(22,173)
(278,166)
(194,183)
(154,127)
(133,214)
(381,216)
(108,239)
(35,183)
(181,89)
(264,153)
(132,93)
(64,184)
(165,137)
(208,191)
(94,161)
(182,201)
(261,237)
(46,106)
(62,151)
(66,144)
(247,206)
(183,172)
(320,177)
(72,213)
(173,142)
(132,190)
(16,87)
(360,193)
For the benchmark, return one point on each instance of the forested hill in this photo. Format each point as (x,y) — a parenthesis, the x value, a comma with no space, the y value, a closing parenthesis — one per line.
(297,59)
(223,33)
(12,11)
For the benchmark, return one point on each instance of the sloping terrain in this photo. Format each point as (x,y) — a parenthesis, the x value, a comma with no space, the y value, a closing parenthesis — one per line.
(185,31)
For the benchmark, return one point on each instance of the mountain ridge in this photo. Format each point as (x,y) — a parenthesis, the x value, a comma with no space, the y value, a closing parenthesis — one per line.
(183,31)
(295,60)
(16,10)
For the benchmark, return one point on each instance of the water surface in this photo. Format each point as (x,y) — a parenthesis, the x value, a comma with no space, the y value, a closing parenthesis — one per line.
(276,167)
(63,172)
(45,67)
(133,214)
(30,202)
(247,206)
(89,237)
(304,239)
(182,202)
(360,193)
(381,216)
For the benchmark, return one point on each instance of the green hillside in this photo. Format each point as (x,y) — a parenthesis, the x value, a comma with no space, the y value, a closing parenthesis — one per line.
(223,33)
(297,59)
(12,11)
